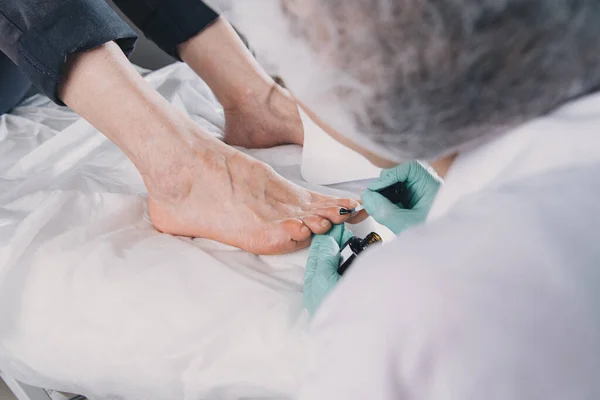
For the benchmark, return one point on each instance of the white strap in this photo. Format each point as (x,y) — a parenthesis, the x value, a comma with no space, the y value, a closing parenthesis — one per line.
(325,161)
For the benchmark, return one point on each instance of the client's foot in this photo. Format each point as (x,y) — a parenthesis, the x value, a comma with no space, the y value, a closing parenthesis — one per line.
(264,118)
(219,193)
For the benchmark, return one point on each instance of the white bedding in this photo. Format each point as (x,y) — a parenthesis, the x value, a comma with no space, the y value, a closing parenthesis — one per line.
(94,301)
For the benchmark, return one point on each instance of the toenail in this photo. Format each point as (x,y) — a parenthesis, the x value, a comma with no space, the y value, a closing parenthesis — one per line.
(324,223)
(304,229)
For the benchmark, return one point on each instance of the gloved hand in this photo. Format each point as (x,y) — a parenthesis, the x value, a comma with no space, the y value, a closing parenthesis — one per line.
(321,268)
(422,187)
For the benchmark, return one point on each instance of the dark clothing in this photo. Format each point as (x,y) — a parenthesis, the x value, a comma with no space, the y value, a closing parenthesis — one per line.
(168,23)
(13,84)
(37,35)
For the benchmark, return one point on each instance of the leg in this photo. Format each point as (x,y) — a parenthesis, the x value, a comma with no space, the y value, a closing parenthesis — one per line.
(198,186)
(39,35)
(258,112)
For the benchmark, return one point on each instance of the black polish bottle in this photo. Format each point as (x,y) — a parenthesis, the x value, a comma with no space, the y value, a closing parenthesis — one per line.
(353,247)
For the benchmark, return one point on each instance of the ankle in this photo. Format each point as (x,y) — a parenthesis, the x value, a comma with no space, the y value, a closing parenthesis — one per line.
(273,109)
(221,59)
(246,93)
(172,165)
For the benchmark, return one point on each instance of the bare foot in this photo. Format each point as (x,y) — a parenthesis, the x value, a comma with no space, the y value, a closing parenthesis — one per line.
(259,113)
(223,194)
(266,118)
(197,185)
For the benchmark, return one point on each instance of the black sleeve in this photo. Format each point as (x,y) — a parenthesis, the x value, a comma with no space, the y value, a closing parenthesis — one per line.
(168,23)
(39,34)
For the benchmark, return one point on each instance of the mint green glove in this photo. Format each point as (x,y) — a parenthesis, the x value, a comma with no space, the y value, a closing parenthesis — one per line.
(321,268)
(422,187)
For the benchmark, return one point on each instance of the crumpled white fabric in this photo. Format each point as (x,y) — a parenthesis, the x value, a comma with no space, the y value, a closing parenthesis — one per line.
(93,300)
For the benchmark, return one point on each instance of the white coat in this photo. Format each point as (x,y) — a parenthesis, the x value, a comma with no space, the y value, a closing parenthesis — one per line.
(496,296)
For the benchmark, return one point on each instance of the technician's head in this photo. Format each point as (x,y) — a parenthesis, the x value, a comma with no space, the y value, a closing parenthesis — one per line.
(423,78)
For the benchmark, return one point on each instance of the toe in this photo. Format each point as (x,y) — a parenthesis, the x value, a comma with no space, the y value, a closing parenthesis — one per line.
(320,201)
(317,224)
(295,246)
(298,234)
(279,238)
(333,209)
(295,229)
(358,217)
(334,214)
(290,246)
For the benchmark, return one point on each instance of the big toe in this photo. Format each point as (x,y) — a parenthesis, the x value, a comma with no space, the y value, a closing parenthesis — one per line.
(295,228)
(334,210)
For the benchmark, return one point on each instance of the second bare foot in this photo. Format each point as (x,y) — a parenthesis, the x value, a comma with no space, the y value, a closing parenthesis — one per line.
(266,118)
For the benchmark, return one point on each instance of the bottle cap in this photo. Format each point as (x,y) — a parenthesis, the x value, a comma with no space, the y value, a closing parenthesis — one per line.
(372,238)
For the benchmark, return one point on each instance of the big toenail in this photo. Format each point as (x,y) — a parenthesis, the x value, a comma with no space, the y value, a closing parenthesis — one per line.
(324,223)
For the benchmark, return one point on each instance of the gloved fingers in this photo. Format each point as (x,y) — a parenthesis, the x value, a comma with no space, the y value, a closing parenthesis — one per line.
(340,234)
(318,285)
(396,218)
(388,177)
(327,244)
(345,237)
(324,250)
(375,203)
(411,172)
(321,274)
(336,232)
(426,176)
(381,209)
(325,275)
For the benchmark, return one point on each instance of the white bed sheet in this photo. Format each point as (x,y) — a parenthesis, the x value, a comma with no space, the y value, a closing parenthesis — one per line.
(94,301)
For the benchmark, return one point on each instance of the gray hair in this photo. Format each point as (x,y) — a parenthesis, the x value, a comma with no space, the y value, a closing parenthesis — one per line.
(444,73)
